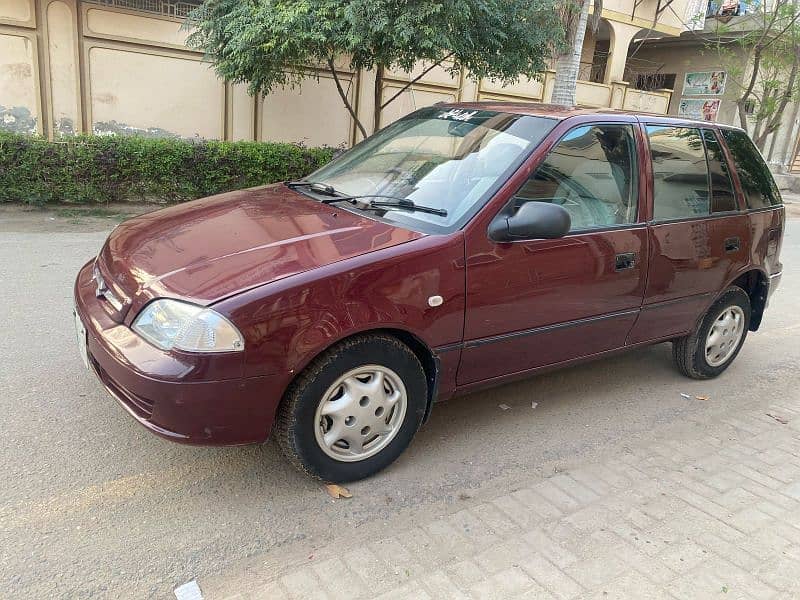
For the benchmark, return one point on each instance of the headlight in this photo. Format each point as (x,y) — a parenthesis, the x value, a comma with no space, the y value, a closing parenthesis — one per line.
(174,324)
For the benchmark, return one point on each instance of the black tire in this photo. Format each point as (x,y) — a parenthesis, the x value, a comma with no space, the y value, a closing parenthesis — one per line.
(689,352)
(295,422)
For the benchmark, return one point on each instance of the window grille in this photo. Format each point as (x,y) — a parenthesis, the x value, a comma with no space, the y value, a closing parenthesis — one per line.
(165,8)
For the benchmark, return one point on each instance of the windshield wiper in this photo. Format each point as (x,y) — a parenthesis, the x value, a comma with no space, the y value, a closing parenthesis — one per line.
(320,188)
(393,201)
(403,203)
(323,188)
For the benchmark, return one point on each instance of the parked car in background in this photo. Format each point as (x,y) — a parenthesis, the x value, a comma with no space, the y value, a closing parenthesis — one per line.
(461,247)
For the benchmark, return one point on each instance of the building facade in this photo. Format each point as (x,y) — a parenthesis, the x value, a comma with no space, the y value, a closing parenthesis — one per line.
(703,88)
(122,66)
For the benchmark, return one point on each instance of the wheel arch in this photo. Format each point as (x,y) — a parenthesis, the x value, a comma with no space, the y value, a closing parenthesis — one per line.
(426,356)
(755,283)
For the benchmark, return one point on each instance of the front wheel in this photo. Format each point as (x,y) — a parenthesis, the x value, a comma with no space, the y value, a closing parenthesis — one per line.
(354,410)
(717,339)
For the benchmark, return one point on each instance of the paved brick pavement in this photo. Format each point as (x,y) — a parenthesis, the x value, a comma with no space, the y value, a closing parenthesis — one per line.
(711,514)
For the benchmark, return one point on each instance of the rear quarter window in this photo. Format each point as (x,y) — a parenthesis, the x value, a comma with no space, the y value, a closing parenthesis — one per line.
(723,196)
(758,185)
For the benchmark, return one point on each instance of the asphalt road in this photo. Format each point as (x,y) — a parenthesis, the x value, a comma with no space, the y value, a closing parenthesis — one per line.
(92,505)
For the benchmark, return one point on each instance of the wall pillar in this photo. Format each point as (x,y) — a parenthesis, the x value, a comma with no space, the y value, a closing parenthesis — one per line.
(469,91)
(621,36)
(241,110)
(618,91)
(365,102)
(62,59)
(549,84)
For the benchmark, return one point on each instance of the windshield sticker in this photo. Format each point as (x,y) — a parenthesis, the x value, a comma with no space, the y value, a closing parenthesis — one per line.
(458,114)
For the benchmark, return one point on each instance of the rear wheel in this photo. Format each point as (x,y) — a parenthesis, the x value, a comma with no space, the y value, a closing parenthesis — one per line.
(715,342)
(354,410)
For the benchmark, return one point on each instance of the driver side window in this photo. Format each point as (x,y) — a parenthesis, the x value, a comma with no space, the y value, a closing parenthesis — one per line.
(591,172)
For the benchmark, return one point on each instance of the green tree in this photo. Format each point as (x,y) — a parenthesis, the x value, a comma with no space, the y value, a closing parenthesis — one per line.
(768,80)
(273,43)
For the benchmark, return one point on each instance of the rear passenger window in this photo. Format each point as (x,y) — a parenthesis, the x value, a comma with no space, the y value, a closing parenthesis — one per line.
(680,173)
(723,198)
(591,172)
(758,185)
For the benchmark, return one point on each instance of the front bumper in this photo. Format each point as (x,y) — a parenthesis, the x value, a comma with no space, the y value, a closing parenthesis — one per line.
(183,397)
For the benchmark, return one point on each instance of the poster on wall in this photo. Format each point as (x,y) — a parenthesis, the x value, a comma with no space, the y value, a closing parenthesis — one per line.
(703,109)
(704,83)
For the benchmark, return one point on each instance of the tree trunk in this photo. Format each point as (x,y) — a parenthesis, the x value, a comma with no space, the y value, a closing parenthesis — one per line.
(380,104)
(774,121)
(742,101)
(761,117)
(568,65)
(345,99)
(376,117)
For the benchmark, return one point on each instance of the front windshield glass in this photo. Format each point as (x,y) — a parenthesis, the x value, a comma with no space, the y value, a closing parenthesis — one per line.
(445,158)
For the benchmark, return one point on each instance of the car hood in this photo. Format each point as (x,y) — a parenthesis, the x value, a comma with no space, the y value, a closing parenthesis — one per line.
(213,248)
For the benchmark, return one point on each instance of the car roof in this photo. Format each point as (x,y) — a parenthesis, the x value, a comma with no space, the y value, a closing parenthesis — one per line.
(555,111)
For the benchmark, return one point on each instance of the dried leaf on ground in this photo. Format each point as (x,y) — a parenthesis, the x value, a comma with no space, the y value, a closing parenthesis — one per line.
(780,420)
(702,398)
(337,491)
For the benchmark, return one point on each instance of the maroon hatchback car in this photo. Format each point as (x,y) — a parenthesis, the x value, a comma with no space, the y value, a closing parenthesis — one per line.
(461,247)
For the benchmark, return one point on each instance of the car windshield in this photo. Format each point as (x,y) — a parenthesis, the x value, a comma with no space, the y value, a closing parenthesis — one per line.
(451,159)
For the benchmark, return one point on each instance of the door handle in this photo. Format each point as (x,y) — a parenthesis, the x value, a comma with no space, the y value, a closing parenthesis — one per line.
(625,261)
(732,244)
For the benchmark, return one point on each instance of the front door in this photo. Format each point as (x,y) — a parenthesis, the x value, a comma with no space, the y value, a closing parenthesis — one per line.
(540,302)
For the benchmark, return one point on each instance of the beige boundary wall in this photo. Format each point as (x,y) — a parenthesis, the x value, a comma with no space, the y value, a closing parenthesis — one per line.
(68,67)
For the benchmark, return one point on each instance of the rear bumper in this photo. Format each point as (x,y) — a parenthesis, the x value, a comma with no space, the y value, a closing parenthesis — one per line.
(773,283)
(168,393)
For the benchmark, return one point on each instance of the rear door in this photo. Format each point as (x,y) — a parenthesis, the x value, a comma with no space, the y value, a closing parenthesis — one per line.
(539,302)
(699,236)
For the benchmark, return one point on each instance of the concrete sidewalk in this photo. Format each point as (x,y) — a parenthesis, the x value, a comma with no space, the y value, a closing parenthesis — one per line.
(713,513)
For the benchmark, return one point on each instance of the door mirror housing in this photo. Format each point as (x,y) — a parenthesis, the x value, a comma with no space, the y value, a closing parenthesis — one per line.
(532,221)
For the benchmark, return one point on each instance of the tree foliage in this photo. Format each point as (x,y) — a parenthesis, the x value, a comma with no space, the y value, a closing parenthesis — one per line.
(768,80)
(274,43)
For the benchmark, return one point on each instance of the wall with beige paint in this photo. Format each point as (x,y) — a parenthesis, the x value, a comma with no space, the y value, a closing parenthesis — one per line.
(19,81)
(20,95)
(681,58)
(68,66)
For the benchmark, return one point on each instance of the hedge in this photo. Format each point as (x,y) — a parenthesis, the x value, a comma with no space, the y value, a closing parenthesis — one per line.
(95,169)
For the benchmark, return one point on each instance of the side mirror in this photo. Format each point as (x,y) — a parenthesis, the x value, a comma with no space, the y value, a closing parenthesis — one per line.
(533,221)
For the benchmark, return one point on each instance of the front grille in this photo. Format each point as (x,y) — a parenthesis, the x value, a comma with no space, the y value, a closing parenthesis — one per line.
(109,291)
(142,407)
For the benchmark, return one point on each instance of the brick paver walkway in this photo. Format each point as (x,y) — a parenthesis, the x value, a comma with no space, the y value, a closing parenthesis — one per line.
(714,514)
